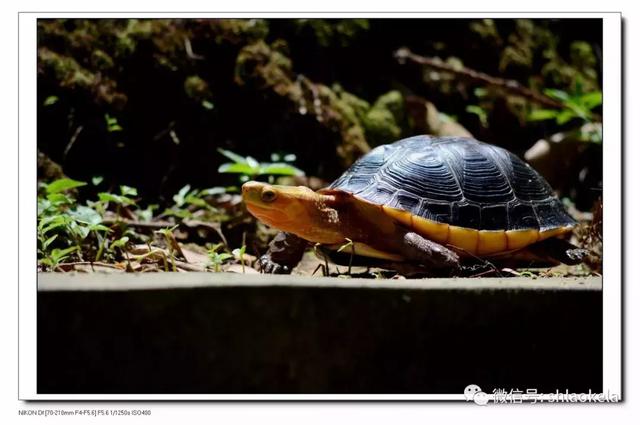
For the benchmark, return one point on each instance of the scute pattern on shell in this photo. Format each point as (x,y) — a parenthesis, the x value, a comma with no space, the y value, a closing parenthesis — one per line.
(459,181)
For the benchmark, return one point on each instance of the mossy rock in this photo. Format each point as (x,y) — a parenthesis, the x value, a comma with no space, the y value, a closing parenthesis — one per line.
(383,122)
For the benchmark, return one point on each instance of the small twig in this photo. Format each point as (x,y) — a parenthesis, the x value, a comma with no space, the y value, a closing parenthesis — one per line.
(138,224)
(510,86)
(484,273)
(101,248)
(320,266)
(353,252)
(126,256)
(486,263)
(72,141)
(90,263)
(189,50)
(244,247)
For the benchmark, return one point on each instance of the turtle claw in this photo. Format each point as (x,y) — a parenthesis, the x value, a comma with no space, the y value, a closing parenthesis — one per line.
(577,254)
(285,252)
(268,266)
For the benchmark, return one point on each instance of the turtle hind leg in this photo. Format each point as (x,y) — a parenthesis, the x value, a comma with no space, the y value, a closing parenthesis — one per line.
(429,253)
(284,253)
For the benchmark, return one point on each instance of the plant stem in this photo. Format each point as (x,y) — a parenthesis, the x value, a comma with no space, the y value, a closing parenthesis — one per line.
(101,247)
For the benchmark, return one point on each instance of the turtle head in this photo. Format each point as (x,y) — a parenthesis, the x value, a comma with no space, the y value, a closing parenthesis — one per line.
(294,209)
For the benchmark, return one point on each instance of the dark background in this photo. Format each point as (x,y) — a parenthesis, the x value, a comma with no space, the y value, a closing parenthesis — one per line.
(138,72)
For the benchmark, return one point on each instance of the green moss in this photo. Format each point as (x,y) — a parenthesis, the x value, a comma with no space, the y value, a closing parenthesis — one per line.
(349,29)
(71,75)
(320,28)
(355,108)
(393,102)
(65,69)
(381,127)
(101,60)
(333,32)
(237,31)
(261,67)
(487,31)
(383,121)
(533,45)
(196,88)
(583,58)
(343,111)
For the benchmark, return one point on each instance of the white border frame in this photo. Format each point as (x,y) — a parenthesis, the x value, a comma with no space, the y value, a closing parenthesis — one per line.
(612,189)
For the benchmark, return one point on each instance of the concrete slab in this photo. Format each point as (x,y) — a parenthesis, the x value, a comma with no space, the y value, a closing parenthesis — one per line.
(187,333)
(110,282)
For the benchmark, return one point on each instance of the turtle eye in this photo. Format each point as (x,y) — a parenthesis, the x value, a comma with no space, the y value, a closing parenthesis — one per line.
(268,195)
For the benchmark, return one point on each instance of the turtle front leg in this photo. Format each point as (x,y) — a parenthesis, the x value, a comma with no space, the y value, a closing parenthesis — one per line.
(430,254)
(284,253)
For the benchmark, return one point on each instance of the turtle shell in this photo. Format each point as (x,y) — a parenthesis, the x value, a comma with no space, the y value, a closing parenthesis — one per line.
(462,184)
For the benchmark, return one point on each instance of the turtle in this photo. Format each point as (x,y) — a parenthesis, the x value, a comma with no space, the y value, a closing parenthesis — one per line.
(438,203)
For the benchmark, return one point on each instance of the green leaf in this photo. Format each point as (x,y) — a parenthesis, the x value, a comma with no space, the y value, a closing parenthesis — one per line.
(50,100)
(79,229)
(96,180)
(49,223)
(147,213)
(591,100)
(475,109)
(213,191)
(117,199)
(280,169)
(43,205)
(481,113)
(194,200)
(578,86)
(99,228)
(239,252)
(61,185)
(60,254)
(109,197)
(252,162)
(237,168)
(46,243)
(213,248)
(207,105)
(112,123)
(178,198)
(169,230)
(128,191)
(565,116)
(86,215)
(46,262)
(219,258)
(233,156)
(58,199)
(120,242)
(542,114)
(177,212)
(557,94)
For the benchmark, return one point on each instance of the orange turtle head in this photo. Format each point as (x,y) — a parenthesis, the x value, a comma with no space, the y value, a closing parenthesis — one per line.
(294,209)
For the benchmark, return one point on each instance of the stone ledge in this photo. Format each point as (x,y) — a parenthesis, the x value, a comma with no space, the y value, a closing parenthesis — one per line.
(171,333)
(119,282)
